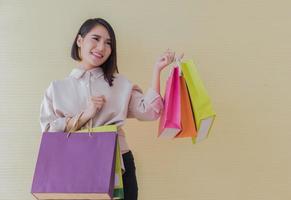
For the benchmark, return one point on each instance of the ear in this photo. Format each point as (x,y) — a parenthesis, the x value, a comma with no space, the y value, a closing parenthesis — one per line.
(79,40)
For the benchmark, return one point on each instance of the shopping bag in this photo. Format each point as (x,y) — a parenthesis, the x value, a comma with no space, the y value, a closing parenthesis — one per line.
(187,118)
(170,120)
(80,166)
(118,182)
(201,104)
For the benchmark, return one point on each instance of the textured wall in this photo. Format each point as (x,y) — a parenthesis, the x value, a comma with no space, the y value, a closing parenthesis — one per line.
(242,50)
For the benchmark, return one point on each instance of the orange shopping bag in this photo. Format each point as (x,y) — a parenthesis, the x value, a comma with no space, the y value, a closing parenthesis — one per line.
(187,117)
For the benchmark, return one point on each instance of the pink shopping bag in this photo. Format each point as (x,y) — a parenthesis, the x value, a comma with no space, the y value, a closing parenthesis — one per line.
(170,121)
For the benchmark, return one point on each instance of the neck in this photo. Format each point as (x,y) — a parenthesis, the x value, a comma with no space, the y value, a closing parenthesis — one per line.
(86,66)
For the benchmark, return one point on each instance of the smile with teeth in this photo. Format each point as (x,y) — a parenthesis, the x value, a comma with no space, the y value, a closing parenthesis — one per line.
(98,55)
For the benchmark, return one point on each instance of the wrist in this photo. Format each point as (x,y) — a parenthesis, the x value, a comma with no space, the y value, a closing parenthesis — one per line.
(86,116)
(156,71)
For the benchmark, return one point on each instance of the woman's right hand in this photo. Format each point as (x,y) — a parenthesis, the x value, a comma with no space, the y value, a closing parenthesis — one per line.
(95,105)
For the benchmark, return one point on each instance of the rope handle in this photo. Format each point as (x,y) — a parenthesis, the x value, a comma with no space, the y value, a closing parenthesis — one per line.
(90,127)
(75,124)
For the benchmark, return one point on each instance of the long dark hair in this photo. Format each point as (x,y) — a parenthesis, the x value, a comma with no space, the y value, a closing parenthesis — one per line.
(110,65)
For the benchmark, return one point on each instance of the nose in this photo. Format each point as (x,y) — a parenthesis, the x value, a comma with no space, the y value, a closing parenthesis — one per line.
(100,46)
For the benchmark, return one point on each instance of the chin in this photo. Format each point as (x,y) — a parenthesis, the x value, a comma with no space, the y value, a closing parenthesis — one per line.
(97,64)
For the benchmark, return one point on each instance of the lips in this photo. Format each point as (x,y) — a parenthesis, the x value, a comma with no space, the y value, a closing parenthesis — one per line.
(98,55)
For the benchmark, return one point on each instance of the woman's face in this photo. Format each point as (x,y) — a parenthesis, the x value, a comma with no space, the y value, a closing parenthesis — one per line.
(94,47)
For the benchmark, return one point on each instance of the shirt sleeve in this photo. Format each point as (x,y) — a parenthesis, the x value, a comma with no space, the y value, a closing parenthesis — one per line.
(51,120)
(145,107)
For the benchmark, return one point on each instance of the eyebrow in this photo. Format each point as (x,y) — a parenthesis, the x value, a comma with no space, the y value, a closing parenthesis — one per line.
(100,36)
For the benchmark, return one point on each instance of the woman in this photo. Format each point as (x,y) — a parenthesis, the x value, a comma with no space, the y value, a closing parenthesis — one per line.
(96,93)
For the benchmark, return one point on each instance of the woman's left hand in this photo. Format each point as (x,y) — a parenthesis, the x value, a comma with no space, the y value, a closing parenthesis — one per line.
(164,60)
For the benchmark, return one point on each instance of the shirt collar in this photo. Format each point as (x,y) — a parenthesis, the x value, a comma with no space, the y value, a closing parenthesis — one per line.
(79,72)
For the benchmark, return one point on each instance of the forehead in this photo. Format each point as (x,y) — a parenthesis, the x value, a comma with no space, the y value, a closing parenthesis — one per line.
(99,30)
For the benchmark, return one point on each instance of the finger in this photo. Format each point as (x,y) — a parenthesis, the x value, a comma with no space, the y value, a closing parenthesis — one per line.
(171,57)
(103,97)
(98,106)
(169,52)
(98,97)
(168,60)
(165,57)
(98,101)
(94,97)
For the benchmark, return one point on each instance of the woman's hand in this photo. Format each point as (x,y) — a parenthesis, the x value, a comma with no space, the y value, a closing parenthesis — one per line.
(165,59)
(95,105)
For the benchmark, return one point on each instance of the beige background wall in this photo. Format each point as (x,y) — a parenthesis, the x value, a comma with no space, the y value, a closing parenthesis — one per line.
(242,49)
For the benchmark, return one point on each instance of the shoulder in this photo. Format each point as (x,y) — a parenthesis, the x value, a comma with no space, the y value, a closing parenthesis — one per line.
(59,85)
(61,82)
(120,79)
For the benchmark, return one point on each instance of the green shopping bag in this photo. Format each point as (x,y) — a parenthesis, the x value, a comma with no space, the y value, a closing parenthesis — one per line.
(118,184)
(201,104)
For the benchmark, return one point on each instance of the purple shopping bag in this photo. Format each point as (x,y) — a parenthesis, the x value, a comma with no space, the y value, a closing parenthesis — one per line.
(76,167)
(170,121)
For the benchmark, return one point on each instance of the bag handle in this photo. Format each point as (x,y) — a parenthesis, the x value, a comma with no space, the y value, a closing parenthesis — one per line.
(76,124)
(178,62)
(90,124)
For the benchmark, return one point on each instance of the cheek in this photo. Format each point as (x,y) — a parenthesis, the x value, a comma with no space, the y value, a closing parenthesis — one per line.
(89,45)
(108,52)
(87,50)
(84,49)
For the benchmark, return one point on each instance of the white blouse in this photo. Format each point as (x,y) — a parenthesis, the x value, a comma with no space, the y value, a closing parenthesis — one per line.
(70,96)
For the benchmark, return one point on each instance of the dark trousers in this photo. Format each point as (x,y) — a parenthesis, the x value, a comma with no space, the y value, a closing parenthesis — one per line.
(129,177)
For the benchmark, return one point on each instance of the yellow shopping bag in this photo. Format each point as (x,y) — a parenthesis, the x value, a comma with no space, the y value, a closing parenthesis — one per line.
(201,104)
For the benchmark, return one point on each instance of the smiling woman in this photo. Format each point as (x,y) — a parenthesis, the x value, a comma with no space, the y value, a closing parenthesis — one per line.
(95,45)
(96,93)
